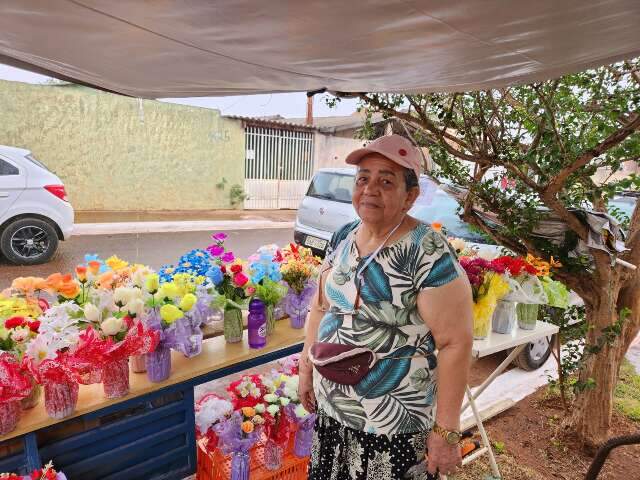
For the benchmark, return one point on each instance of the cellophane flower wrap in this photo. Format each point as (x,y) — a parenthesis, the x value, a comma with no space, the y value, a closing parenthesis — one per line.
(210,410)
(248,391)
(60,383)
(14,386)
(524,284)
(237,435)
(299,270)
(305,422)
(264,268)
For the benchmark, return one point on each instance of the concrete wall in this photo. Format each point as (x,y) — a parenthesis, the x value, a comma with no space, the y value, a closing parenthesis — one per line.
(330,151)
(119,153)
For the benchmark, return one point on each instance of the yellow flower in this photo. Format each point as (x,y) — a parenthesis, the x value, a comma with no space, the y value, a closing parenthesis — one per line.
(169,290)
(187,302)
(152,283)
(116,263)
(170,313)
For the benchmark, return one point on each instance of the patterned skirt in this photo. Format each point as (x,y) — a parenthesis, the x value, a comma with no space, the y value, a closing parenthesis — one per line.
(342,453)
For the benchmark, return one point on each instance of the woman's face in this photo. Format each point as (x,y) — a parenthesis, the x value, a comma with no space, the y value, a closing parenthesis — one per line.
(380,195)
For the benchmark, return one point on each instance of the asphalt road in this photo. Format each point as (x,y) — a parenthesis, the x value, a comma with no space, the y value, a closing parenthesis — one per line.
(154,249)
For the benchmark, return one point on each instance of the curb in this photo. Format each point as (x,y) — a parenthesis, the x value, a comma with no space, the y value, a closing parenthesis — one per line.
(119,228)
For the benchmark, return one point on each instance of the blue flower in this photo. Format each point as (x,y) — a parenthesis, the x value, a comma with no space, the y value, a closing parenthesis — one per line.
(215,275)
(92,257)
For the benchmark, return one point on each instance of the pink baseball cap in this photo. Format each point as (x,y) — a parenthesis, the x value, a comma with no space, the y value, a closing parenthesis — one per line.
(396,148)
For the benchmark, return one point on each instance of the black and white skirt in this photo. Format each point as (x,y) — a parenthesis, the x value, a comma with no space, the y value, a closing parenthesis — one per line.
(342,453)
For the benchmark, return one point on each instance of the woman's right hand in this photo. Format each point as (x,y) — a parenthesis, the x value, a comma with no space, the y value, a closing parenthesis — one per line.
(305,388)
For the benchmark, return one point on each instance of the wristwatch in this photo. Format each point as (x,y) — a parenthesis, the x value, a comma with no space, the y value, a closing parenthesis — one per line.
(452,437)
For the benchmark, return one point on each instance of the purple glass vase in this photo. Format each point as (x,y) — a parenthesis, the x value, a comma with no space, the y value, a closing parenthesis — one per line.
(158,364)
(302,441)
(240,466)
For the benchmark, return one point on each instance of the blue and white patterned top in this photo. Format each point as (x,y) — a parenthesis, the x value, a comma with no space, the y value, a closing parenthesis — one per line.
(398,395)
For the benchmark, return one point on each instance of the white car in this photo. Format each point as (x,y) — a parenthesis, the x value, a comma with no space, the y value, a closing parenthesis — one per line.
(34,211)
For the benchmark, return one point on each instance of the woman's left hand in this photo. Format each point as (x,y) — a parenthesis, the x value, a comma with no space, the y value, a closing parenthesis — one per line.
(443,457)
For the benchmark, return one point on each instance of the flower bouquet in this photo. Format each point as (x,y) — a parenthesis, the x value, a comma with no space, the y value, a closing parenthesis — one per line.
(264,269)
(237,435)
(15,385)
(525,288)
(45,473)
(210,410)
(305,422)
(248,391)
(299,269)
(488,286)
(277,428)
(48,358)
(232,284)
(556,292)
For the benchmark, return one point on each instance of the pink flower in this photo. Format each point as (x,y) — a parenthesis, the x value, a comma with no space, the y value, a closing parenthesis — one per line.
(228,257)
(240,279)
(251,291)
(215,250)
(219,237)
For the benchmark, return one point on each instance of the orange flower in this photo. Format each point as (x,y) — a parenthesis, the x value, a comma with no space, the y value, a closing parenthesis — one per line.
(81,273)
(248,412)
(69,289)
(29,285)
(437,226)
(247,427)
(94,267)
(54,281)
(106,280)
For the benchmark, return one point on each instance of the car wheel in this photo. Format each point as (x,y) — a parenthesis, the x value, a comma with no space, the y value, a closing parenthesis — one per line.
(29,241)
(534,355)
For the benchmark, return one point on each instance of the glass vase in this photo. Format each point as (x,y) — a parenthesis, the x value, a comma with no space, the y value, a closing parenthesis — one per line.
(9,416)
(527,315)
(233,325)
(273,454)
(138,363)
(159,364)
(60,398)
(297,307)
(115,378)
(240,466)
(504,317)
(34,397)
(271,319)
(481,322)
(302,442)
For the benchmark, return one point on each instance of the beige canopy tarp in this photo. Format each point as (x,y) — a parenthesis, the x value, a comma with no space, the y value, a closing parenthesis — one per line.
(184,48)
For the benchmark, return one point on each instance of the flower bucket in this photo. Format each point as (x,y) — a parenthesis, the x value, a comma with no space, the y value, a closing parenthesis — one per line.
(273,455)
(302,441)
(233,325)
(33,398)
(138,363)
(271,319)
(297,305)
(9,416)
(481,322)
(159,364)
(115,378)
(527,315)
(504,317)
(240,466)
(60,398)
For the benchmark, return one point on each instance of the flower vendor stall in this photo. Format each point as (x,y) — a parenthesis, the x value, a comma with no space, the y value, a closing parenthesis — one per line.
(117,349)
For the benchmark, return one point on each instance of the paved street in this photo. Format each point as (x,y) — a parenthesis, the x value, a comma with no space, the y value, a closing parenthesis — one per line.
(154,249)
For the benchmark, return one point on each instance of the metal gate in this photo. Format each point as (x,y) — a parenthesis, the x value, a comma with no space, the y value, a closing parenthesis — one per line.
(278,167)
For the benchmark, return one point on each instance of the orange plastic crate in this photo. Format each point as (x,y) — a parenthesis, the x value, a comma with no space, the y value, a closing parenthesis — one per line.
(216,466)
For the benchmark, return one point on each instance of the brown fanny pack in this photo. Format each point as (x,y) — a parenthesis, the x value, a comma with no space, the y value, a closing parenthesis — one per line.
(342,364)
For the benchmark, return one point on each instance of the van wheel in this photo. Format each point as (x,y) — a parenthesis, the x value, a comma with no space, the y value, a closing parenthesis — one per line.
(534,355)
(29,241)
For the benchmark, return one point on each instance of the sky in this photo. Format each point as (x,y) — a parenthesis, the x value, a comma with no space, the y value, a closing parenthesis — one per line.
(288,105)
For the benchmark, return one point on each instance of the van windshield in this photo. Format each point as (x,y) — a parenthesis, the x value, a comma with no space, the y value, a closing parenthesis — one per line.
(337,187)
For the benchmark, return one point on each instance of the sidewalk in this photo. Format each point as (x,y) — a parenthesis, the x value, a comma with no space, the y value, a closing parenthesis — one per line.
(102,223)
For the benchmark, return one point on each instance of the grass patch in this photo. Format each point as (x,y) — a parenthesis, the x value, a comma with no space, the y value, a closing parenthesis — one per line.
(627,393)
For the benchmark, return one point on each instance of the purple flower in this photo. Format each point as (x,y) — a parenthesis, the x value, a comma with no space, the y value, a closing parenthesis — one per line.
(219,237)
(215,250)
(228,257)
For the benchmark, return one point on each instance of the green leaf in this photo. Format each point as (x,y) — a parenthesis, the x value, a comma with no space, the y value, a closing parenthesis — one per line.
(348,410)
(386,374)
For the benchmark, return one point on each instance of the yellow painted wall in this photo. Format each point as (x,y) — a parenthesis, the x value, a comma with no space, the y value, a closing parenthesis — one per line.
(113,154)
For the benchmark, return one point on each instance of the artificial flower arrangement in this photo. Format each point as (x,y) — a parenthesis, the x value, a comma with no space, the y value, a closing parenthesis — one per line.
(264,270)
(45,473)
(15,385)
(237,435)
(210,410)
(299,268)
(230,279)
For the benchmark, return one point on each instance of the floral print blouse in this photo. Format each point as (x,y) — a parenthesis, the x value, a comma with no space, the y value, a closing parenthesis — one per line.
(398,394)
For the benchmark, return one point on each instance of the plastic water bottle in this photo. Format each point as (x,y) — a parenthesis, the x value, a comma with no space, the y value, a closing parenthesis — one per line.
(257,324)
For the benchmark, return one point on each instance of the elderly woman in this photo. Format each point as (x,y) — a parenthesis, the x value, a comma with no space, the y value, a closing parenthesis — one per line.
(390,285)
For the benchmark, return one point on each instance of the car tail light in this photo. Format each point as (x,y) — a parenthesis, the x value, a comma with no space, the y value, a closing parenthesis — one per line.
(58,190)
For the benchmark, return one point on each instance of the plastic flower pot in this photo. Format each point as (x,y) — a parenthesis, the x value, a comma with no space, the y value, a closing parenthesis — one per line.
(271,319)
(233,325)
(527,315)
(33,398)
(504,317)
(482,322)
(115,378)
(240,466)
(9,416)
(159,364)
(273,454)
(302,442)
(138,363)
(60,398)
